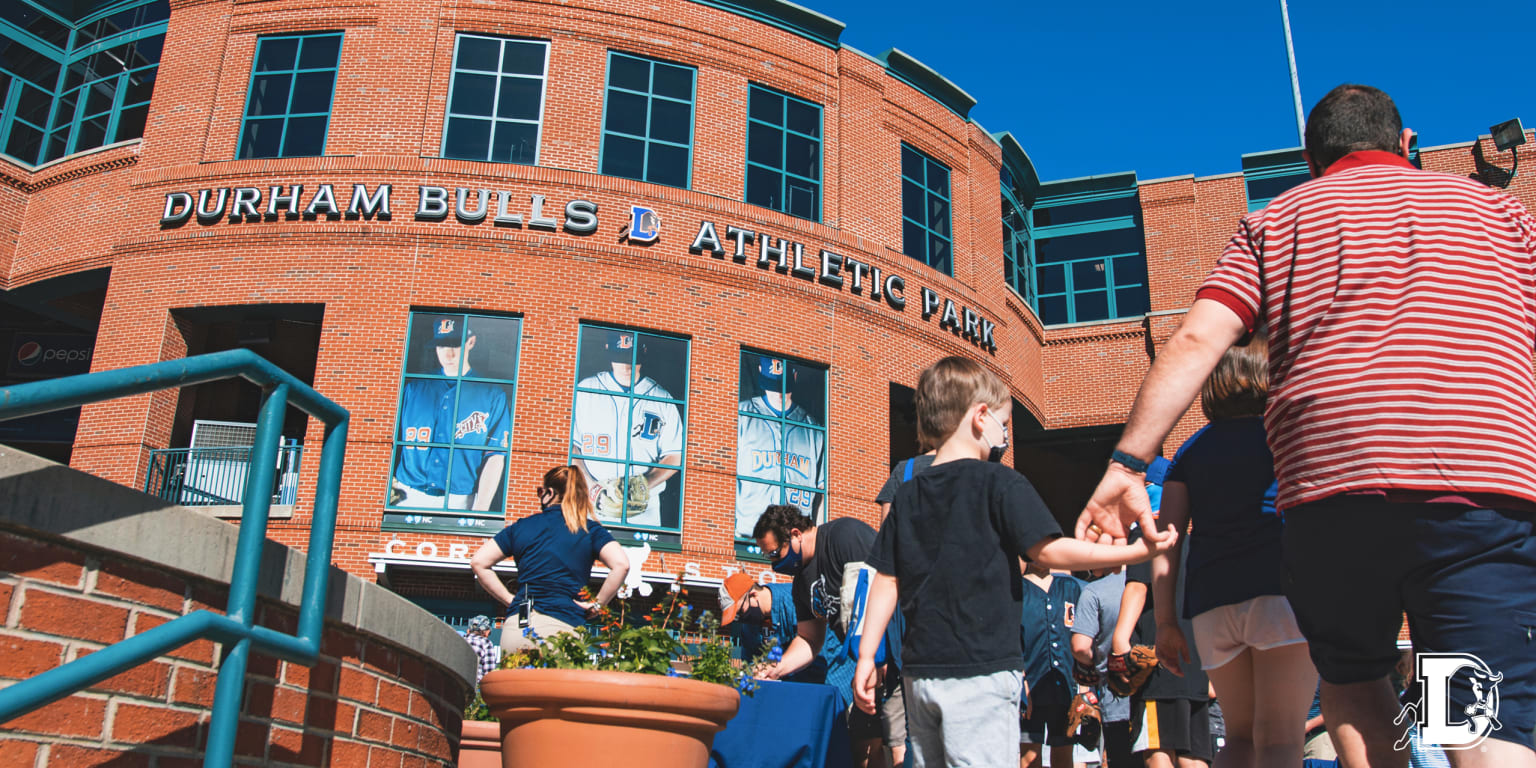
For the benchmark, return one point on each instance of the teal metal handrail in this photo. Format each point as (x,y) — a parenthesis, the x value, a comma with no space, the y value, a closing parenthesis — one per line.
(236,628)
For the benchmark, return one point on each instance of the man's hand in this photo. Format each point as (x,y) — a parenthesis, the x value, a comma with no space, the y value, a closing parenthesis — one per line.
(1172,648)
(1120,499)
(865,682)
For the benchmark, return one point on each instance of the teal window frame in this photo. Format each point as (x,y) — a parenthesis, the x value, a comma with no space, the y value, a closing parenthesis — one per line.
(85,110)
(782,133)
(1018,243)
(472,519)
(500,75)
(680,477)
(930,190)
(287,116)
(1104,263)
(647,141)
(1261,167)
(783,483)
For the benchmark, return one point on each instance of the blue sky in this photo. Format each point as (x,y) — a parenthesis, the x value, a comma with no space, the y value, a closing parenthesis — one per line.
(1189,86)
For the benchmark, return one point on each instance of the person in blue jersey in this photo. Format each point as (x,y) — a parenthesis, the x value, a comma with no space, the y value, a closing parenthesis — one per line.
(1045,629)
(554,551)
(471,416)
(776,451)
(1223,482)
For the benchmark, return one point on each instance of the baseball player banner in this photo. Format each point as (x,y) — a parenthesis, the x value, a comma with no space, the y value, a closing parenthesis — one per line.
(781,438)
(454,428)
(628,426)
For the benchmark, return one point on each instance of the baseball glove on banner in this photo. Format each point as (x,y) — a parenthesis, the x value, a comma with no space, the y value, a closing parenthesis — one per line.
(612,494)
(1128,672)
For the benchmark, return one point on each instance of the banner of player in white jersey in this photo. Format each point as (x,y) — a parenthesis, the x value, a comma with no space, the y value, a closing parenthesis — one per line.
(628,425)
(454,427)
(781,443)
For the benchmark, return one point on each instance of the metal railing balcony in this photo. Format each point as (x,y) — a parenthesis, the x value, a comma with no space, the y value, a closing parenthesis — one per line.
(236,627)
(212,477)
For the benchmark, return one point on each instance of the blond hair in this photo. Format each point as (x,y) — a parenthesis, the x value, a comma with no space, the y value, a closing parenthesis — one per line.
(570,485)
(947,389)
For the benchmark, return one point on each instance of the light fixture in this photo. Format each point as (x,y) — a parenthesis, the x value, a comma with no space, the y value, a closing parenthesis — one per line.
(1508,135)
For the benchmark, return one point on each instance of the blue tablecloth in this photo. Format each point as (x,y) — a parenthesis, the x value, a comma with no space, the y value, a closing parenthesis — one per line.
(785,725)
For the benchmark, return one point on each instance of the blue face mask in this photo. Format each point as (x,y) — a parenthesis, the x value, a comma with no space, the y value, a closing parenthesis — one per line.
(789,564)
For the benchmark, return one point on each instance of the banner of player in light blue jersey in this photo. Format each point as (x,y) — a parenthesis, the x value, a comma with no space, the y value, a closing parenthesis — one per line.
(777,442)
(620,425)
(452,434)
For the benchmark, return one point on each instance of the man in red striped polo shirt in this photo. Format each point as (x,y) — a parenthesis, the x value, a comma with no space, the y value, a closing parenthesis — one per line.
(1401,308)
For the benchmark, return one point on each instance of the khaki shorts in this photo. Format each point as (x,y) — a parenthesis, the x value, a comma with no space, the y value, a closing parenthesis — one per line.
(1261,623)
(513,640)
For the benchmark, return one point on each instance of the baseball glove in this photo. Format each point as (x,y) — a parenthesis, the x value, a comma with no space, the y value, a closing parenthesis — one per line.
(612,494)
(1084,722)
(1085,675)
(1128,672)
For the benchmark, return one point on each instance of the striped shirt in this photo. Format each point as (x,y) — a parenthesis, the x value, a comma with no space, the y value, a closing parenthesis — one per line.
(1401,306)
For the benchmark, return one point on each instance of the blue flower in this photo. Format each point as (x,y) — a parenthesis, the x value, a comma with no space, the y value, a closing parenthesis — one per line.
(673,673)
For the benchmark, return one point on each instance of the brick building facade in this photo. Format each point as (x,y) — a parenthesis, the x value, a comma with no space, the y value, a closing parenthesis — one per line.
(812,206)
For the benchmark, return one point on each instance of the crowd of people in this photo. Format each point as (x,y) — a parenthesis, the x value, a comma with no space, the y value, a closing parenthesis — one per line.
(1362,353)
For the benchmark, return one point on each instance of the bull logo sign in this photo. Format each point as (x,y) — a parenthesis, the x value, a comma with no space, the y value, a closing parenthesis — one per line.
(1443,722)
(644,225)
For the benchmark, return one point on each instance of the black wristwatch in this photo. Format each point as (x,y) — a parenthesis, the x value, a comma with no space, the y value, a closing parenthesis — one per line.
(1128,461)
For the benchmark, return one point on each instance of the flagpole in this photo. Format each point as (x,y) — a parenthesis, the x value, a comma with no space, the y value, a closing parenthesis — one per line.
(1290,55)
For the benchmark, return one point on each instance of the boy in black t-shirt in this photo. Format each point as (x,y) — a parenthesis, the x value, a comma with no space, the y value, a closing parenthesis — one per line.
(950,549)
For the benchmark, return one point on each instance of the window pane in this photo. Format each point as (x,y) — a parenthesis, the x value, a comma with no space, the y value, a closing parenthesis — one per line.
(764,145)
(306,137)
(627,113)
(623,157)
(938,178)
(804,118)
(130,123)
(804,199)
(25,143)
(141,85)
(312,92)
(914,241)
(1088,275)
(766,105)
(911,164)
(1051,278)
(1131,301)
(33,105)
(752,497)
(938,253)
(276,53)
(1131,270)
(1093,305)
(803,156)
(472,94)
(478,53)
(630,73)
(262,138)
(912,199)
(319,52)
(468,139)
(100,98)
(93,133)
(269,95)
(673,81)
(520,98)
(1053,310)
(516,143)
(667,165)
(523,58)
(764,187)
(938,215)
(671,121)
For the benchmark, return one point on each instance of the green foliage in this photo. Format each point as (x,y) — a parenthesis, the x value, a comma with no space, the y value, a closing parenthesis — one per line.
(624,640)
(477,710)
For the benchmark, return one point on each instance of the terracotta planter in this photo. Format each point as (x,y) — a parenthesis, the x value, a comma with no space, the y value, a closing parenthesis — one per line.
(480,744)
(589,719)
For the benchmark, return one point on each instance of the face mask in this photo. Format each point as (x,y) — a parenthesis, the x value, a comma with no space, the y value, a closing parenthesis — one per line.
(752,616)
(995,452)
(789,564)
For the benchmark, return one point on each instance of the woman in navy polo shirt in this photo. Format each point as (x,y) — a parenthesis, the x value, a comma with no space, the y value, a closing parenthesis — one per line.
(1223,479)
(554,550)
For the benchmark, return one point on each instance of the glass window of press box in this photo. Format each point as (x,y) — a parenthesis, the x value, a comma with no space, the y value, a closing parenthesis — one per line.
(453,428)
(784,153)
(925,215)
(629,426)
(288,106)
(1018,250)
(1090,254)
(781,439)
(648,120)
(77,76)
(495,100)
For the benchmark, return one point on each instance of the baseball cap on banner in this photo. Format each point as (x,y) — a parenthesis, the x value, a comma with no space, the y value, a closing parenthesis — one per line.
(446,332)
(732,591)
(770,373)
(620,344)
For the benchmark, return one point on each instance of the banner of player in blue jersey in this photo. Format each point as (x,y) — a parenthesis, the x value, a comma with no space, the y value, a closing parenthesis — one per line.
(455,420)
(781,445)
(628,425)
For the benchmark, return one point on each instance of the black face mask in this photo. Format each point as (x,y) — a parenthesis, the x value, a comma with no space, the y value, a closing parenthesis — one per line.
(752,616)
(995,452)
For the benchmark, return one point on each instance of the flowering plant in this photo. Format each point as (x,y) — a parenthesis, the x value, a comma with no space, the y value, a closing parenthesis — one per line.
(668,640)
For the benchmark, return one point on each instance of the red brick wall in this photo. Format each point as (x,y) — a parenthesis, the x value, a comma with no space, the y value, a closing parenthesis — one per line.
(366,702)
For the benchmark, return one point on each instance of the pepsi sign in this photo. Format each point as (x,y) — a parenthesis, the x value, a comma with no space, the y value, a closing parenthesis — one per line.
(47,355)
